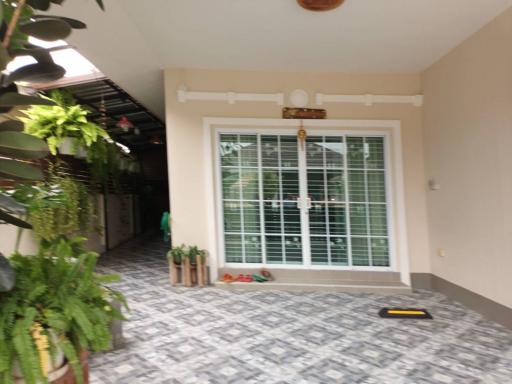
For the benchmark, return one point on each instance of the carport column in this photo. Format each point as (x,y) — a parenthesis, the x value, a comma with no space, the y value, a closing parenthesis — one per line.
(213,249)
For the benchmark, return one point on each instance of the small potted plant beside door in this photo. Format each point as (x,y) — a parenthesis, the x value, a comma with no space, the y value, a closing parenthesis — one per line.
(176,256)
(198,261)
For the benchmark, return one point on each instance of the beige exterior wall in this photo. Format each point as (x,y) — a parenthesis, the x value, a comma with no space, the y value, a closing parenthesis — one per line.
(468,139)
(188,184)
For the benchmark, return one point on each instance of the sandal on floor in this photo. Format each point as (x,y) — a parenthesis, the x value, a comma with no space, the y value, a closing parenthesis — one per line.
(245,278)
(267,275)
(248,279)
(227,278)
(239,278)
(259,278)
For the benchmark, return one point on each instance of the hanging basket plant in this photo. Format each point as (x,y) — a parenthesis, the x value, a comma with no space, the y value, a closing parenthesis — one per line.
(58,207)
(64,126)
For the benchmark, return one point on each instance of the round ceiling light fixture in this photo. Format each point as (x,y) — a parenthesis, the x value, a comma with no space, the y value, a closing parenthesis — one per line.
(320,5)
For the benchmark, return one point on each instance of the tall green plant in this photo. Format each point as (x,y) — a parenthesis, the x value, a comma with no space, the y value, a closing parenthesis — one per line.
(58,295)
(18,21)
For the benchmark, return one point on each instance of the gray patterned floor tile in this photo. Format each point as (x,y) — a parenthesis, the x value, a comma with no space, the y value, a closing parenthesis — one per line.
(210,336)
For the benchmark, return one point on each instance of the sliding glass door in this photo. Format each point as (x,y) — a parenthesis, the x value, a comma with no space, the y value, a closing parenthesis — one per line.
(318,203)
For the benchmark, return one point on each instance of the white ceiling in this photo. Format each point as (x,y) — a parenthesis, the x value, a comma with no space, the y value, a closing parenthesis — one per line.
(133,40)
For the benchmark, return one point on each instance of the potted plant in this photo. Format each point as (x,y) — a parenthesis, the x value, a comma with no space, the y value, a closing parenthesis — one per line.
(198,260)
(190,262)
(58,307)
(175,256)
(64,126)
(59,206)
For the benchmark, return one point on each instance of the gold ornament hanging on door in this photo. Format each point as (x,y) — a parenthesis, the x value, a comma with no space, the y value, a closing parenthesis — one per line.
(302,135)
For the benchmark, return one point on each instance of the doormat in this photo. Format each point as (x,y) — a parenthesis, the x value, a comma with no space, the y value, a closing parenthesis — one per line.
(404,313)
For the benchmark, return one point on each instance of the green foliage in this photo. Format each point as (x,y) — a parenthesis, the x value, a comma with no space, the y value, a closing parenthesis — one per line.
(63,295)
(58,207)
(72,247)
(103,158)
(55,123)
(17,22)
(194,252)
(179,253)
(22,146)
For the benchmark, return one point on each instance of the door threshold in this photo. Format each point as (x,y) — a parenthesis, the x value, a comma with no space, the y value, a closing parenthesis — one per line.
(345,286)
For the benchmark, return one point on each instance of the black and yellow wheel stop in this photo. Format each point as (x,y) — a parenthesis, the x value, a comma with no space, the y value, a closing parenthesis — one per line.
(404,313)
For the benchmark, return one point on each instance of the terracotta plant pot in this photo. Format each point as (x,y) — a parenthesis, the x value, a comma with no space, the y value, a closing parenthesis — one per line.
(174,272)
(69,376)
(65,374)
(187,272)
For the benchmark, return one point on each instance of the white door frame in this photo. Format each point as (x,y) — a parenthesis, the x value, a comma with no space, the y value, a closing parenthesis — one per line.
(392,130)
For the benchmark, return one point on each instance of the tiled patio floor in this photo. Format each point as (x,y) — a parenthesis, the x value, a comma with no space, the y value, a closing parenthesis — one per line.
(215,336)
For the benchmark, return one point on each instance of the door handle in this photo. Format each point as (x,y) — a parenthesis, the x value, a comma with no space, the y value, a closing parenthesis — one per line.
(308,203)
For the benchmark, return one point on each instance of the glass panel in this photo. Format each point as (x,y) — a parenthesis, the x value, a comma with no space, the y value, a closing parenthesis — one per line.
(355,154)
(269,151)
(378,220)
(271,184)
(337,219)
(274,249)
(327,174)
(272,212)
(336,186)
(314,151)
(231,183)
(334,151)
(360,254)
(251,217)
(375,158)
(356,186)
(249,150)
(376,187)
(293,249)
(233,248)
(229,150)
(253,249)
(289,156)
(250,184)
(281,186)
(232,216)
(290,185)
(339,252)
(358,223)
(317,216)
(316,185)
(319,252)
(291,217)
(380,252)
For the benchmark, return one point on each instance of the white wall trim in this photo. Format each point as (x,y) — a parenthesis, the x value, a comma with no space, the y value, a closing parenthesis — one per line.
(369,100)
(209,125)
(184,95)
(231,97)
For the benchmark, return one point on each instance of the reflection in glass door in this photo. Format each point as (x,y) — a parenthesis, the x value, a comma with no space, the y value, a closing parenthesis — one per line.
(322,204)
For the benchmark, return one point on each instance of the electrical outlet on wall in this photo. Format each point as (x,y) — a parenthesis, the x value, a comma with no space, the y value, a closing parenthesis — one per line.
(433,185)
(441,252)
